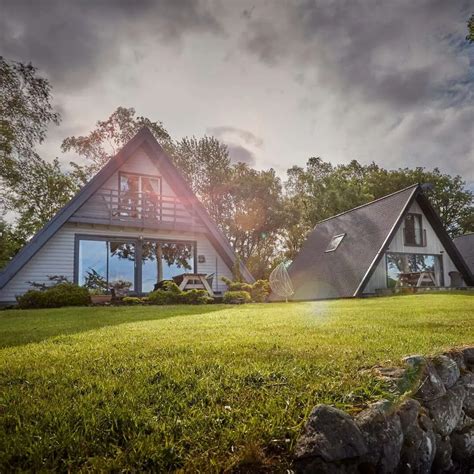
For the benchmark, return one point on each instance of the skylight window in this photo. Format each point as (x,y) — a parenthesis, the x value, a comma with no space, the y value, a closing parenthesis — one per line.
(334,243)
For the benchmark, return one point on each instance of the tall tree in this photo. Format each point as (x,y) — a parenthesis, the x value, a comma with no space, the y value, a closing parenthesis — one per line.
(470,29)
(35,191)
(107,138)
(322,190)
(25,108)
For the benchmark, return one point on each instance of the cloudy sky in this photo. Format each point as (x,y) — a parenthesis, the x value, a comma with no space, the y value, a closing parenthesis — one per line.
(278,81)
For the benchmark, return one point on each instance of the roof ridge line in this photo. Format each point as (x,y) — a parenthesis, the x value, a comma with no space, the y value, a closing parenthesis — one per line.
(367,203)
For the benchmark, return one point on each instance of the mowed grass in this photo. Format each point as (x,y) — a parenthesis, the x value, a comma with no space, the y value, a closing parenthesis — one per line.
(204,388)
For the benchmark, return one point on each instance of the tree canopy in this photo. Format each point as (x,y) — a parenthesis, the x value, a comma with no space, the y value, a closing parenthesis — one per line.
(265,220)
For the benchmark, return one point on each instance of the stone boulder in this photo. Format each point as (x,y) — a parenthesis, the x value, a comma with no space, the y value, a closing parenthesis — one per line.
(442,461)
(463,445)
(329,435)
(446,411)
(418,450)
(447,370)
(430,385)
(383,434)
(468,354)
(467,381)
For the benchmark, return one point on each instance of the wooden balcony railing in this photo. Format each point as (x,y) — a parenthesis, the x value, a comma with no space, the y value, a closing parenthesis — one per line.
(146,209)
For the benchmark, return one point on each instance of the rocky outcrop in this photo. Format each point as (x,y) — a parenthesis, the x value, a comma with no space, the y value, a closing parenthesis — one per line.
(431,430)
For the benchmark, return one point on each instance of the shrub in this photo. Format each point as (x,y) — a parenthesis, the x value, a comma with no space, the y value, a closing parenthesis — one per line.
(195,297)
(260,291)
(236,297)
(162,297)
(237,285)
(131,300)
(171,286)
(63,294)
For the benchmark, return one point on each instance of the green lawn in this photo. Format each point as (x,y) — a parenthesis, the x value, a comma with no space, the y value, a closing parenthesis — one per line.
(204,388)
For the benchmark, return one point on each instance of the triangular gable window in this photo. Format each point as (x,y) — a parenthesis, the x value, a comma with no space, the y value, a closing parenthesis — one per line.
(334,243)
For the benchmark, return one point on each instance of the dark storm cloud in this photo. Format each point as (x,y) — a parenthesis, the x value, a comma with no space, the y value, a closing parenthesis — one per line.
(379,51)
(247,137)
(74,41)
(394,78)
(240,154)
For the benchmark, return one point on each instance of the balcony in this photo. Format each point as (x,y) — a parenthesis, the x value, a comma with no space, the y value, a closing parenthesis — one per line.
(143,210)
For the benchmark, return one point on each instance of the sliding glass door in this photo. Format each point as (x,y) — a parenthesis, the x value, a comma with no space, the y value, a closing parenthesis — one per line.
(164,260)
(103,263)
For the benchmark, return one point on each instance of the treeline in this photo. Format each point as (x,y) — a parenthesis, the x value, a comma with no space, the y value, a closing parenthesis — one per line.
(265,218)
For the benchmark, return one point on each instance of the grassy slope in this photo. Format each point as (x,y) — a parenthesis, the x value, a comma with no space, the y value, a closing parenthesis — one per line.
(203,388)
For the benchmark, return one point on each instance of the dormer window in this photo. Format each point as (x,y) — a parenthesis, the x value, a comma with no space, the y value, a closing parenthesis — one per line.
(413,230)
(334,243)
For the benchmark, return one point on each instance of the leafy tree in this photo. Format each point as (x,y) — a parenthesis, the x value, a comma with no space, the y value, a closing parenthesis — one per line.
(107,138)
(35,190)
(25,108)
(9,244)
(29,186)
(322,190)
(470,29)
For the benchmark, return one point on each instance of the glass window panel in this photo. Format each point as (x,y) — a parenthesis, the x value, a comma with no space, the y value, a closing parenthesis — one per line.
(121,266)
(413,270)
(334,242)
(150,185)
(413,229)
(164,260)
(92,264)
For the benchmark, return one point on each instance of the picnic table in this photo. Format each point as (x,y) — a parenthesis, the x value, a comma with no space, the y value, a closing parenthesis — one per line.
(191,281)
(417,279)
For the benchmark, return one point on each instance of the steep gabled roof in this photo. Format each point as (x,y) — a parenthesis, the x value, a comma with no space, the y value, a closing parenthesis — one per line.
(465,245)
(143,139)
(368,230)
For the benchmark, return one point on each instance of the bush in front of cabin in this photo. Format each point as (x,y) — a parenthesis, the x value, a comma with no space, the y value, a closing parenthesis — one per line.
(63,294)
(236,297)
(169,293)
(260,291)
(132,300)
(196,297)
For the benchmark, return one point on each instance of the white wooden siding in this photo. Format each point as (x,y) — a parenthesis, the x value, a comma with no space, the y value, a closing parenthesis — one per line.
(56,257)
(433,247)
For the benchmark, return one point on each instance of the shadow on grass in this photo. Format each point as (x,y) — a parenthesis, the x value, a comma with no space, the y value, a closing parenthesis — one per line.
(19,327)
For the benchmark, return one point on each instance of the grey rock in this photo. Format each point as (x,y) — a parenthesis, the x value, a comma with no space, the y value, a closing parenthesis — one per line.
(418,451)
(383,434)
(408,413)
(431,386)
(463,444)
(447,369)
(331,435)
(468,354)
(442,461)
(458,357)
(465,421)
(446,410)
(467,381)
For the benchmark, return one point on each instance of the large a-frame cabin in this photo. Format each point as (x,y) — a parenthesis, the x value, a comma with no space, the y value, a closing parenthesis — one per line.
(395,241)
(136,221)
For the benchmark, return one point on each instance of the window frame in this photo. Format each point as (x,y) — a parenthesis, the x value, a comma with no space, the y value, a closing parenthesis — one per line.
(419,216)
(328,250)
(138,241)
(139,175)
(441,264)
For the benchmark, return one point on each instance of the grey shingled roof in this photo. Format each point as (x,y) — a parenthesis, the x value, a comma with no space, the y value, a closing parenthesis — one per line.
(316,274)
(368,229)
(465,245)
